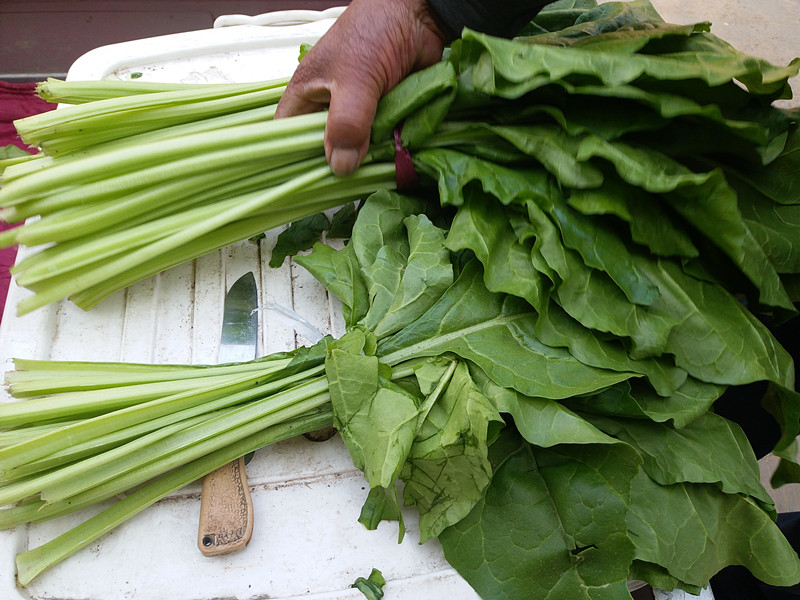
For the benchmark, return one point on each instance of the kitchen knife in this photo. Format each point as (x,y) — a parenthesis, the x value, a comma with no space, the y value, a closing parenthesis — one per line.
(226,508)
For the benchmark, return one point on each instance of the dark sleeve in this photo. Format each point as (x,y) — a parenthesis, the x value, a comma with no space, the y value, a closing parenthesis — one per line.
(504,18)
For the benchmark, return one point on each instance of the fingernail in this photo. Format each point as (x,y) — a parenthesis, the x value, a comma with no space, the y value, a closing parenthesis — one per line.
(344,161)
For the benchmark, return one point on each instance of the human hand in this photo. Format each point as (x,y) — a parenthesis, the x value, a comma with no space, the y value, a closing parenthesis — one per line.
(370,48)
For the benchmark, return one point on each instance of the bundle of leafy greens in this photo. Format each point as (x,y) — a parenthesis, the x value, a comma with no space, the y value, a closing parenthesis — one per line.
(606,225)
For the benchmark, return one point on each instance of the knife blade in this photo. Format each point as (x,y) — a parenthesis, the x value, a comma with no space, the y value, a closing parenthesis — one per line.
(226,507)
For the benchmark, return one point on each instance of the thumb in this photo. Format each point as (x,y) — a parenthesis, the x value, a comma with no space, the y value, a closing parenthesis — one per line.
(350,115)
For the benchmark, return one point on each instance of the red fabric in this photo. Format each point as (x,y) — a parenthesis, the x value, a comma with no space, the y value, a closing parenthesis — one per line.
(17,100)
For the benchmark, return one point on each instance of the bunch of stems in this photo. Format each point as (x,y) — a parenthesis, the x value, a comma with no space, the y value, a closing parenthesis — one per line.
(86,433)
(130,182)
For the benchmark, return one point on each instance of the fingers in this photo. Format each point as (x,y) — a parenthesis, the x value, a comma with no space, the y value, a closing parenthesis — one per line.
(336,77)
(367,51)
(347,134)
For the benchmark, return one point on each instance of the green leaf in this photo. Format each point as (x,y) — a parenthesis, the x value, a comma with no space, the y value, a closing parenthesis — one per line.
(578,20)
(495,332)
(629,399)
(411,94)
(773,225)
(376,419)
(558,15)
(372,586)
(601,248)
(778,180)
(658,577)
(590,297)
(651,224)
(304,48)
(556,328)
(402,288)
(552,147)
(300,235)
(485,228)
(694,530)
(340,272)
(502,67)
(705,200)
(455,170)
(448,468)
(544,422)
(392,271)
(551,524)
(342,222)
(382,504)
(717,340)
(710,449)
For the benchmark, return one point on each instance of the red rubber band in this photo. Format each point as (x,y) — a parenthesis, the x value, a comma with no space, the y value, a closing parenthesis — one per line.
(405,175)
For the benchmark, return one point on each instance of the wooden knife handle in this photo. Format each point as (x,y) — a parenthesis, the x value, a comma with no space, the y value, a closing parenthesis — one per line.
(226,510)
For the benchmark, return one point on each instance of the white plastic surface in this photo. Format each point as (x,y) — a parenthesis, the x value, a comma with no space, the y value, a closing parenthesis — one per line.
(286,17)
(705,594)
(307,542)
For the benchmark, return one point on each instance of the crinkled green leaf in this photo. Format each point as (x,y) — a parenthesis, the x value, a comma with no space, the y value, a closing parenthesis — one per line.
(773,225)
(778,180)
(588,295)
(550,146)
(402,260)
(511,69)
(455,170)
(650,223)
(376,418)
(551,524)
(708,351)
(395,267)
(540,421)
(717,340)
(645,33)
(496,332)
(339,271)
(484,228)
(411,94)
(710,449)
(353,377)
(381,224)
(487,230)
(556,328)
(601,248)
(658,577)
(559,15)
(694,530)
(629,399)
(705,200)
(413,283)
(448,469)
